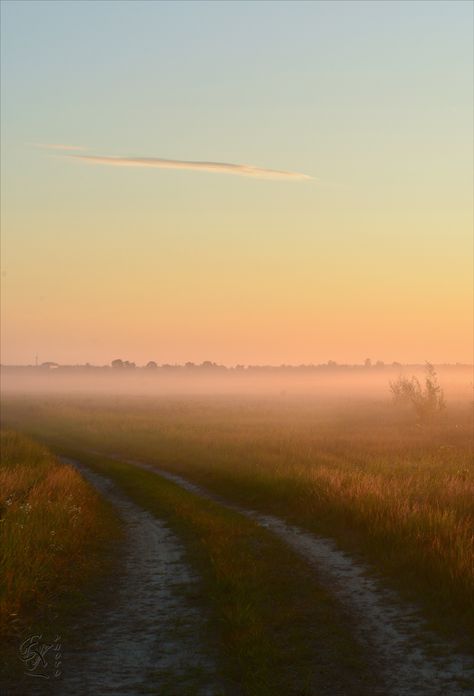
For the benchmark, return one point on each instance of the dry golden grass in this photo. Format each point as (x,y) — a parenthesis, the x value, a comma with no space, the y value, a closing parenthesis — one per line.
(52,528)
(361,471)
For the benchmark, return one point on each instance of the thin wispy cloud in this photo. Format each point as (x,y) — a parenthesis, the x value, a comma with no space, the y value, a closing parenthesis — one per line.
(58,146)
(214,167)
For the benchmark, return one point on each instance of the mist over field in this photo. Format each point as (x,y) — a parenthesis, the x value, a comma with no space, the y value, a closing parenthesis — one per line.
(321,382)
(283,187)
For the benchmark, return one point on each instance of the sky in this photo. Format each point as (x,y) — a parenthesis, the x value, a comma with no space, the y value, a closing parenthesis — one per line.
(241,182)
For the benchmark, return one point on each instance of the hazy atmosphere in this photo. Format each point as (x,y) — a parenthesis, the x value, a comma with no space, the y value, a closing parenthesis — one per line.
(236,421)
(239,182)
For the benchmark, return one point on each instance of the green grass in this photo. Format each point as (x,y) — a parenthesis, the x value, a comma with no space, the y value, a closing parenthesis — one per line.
(54,532)
(361,472)
(279,632)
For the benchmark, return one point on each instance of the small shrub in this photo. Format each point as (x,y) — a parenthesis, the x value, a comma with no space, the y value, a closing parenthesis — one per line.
(427,400)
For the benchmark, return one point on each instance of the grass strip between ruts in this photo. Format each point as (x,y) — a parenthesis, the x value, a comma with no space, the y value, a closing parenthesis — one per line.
(280,632)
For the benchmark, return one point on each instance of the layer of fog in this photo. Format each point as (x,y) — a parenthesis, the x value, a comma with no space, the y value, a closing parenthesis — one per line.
(352,382)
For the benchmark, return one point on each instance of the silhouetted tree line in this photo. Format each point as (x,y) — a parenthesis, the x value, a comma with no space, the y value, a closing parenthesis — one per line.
(189,367)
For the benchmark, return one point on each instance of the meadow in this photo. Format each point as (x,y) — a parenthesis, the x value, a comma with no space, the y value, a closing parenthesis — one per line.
(62,545)
(396,492)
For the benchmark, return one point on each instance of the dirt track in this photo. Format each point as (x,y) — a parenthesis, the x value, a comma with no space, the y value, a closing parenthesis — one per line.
(410,660)
(150,634)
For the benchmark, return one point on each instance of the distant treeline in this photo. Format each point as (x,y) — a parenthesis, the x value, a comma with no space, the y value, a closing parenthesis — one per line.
(120,366)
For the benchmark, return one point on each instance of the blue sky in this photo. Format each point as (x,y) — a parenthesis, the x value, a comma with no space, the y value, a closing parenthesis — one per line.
(371,99)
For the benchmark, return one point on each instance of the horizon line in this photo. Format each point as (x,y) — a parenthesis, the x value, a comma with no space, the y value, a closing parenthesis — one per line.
(208,364)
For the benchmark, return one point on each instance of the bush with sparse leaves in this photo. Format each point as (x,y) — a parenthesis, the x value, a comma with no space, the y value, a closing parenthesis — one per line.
(427,400)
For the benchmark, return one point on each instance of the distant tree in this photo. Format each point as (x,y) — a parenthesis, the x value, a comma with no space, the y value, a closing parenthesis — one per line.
(368,362)
(379,363)
(151,365)
(189,365)
(332,363)
(119,364)
(427,401)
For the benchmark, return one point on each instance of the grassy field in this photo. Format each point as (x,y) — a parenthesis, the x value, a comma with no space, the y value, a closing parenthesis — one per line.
(54,533)
(360,471)
(269,624)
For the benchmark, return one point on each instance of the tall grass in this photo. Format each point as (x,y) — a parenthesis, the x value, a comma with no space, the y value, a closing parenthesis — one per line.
(402,494)
(53,527)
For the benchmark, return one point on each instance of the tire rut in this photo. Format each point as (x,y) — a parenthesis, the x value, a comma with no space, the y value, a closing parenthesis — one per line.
(152,639)
(409,659)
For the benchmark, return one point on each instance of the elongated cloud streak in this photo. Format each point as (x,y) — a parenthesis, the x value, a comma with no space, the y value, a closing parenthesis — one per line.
(58,146)
(216,167)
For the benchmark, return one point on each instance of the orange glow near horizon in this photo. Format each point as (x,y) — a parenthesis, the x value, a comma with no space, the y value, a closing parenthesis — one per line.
(368,253)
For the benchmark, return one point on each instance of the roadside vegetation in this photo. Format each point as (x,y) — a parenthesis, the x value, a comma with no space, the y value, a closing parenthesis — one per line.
(54,530)
(362,472)
(427,400)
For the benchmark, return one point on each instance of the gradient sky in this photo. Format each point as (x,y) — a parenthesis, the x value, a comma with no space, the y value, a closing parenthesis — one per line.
(371,256)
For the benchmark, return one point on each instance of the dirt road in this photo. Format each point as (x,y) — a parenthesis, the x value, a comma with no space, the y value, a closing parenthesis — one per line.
(150,638)
(411,660)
